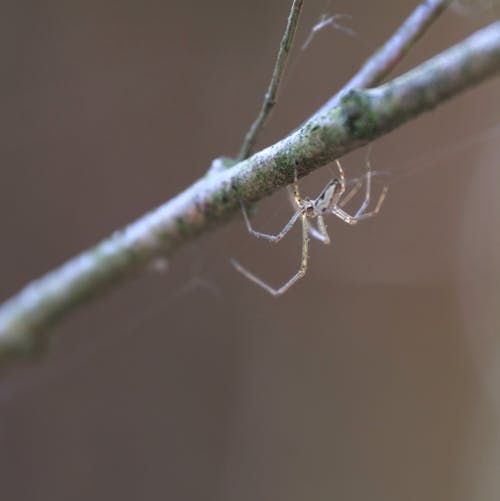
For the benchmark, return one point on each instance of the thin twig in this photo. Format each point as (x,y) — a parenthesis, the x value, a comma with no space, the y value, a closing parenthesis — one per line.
(362,116)
(272,90)
(383,61)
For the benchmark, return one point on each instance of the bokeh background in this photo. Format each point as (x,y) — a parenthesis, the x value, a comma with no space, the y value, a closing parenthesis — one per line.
(376,377)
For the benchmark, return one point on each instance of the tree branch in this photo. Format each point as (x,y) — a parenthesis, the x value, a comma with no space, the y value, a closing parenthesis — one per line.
(362,116)
(272,90)
(377,67)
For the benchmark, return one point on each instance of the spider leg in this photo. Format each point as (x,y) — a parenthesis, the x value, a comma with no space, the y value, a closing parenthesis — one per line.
(291,197)
(296,192)
(350,194)
(320,233)
(300,273)
(342,214)
(341,177)
(368,190)
(361,214)
(356,184)
(271,238)
(314,232)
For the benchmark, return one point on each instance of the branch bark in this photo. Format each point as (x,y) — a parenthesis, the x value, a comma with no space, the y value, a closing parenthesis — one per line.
(388,56)
(272,90)
(360,117)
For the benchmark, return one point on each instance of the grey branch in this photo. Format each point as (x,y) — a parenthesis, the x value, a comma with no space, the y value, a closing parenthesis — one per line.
(272,91)
(387,57)
(360,117)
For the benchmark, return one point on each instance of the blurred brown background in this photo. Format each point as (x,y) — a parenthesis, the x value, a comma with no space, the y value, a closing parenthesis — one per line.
(376,377)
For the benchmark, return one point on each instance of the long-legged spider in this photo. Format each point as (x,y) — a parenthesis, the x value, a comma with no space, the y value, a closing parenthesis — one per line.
(331,200)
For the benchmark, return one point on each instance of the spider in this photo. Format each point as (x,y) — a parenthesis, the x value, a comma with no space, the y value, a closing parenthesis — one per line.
(330,201)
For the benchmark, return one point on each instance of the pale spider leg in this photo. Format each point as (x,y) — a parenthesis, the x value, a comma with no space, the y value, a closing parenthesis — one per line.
(360,214)
(300,273)
(350,194)
(320,234)
(357,182)
(316,233)
(272,238)
(342,214)
(296,192)
(370,173)
(291,197)
(380,201)
(337,210)
(341,178)
(368,190)
(366,200)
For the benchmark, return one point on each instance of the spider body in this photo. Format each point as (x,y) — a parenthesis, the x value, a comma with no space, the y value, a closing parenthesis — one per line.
(330,201)
(328,198)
